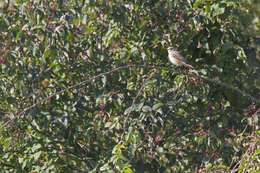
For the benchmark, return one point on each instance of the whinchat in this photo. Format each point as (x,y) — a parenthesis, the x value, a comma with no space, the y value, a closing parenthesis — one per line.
(176,58)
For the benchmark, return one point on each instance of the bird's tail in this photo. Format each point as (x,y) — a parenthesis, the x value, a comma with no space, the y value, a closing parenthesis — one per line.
(188,65)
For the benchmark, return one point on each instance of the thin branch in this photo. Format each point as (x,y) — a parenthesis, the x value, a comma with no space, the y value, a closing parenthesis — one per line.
(231,87)
(62,91)
(133,103)
(17,115)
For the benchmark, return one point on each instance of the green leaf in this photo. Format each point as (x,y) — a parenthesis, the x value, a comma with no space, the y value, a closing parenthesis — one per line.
(105,167)
(47,53)
(207,9)
(160,150)
(37,155)
(36,147)
(128,170)
(11,100)
(24,163)
(157,106)
(257,152)
(130,109)
(225,47)
(258,132)
(146,109)
(217,10)
(196,4)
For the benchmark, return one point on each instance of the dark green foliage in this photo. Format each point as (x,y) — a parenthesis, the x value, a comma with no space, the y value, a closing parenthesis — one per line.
(86,86)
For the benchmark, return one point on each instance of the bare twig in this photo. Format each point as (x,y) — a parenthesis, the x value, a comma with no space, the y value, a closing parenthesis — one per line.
(133,103)
(18,114)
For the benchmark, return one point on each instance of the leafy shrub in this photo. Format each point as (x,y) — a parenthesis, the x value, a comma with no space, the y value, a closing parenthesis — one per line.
(86,86)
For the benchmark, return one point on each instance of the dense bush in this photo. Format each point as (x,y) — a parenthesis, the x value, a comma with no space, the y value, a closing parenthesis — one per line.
(86,86)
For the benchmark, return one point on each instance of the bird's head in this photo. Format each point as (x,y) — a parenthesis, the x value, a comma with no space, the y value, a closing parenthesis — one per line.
(171,49)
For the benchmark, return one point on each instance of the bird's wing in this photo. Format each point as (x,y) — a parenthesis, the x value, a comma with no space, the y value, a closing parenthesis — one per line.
(180,57)
(183,60)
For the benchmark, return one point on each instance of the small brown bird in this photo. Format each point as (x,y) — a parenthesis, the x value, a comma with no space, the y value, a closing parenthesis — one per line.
(176,58)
